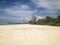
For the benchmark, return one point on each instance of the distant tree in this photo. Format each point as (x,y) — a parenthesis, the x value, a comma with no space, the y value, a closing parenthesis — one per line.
(48,19)
(30,22)
(39,21)
(33,20)
(58,19)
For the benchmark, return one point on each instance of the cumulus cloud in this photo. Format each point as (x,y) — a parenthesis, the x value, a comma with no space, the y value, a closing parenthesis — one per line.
(3,1)
(21,12)
(41,3)
(50,4)
(57,3)
(50,7)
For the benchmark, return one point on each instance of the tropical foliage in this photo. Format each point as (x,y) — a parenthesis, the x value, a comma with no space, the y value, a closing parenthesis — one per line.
(46,21)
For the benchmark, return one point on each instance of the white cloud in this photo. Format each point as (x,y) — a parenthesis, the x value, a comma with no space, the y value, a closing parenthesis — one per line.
(20,7)
(3,1)
(38,17)
(3,17)
(51,7)
(41,3)
(19,10)
(24,7)
(23,12)
(57,3)
(50,4)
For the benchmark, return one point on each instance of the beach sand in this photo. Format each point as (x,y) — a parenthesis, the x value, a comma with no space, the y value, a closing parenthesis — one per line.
(26,34)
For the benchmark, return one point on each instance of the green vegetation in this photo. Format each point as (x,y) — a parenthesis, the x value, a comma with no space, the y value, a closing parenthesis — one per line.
(47,21)
(33,20)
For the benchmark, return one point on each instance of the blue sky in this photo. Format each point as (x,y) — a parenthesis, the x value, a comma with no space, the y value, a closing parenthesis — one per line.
(22,10)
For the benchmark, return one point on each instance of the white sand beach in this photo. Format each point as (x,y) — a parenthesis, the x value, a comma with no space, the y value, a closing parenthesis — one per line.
(26,34)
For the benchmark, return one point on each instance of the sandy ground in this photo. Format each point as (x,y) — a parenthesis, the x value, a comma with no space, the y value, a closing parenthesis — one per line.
(25,34)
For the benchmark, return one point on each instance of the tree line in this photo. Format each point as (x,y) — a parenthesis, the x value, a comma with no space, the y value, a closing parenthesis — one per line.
(48,20)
